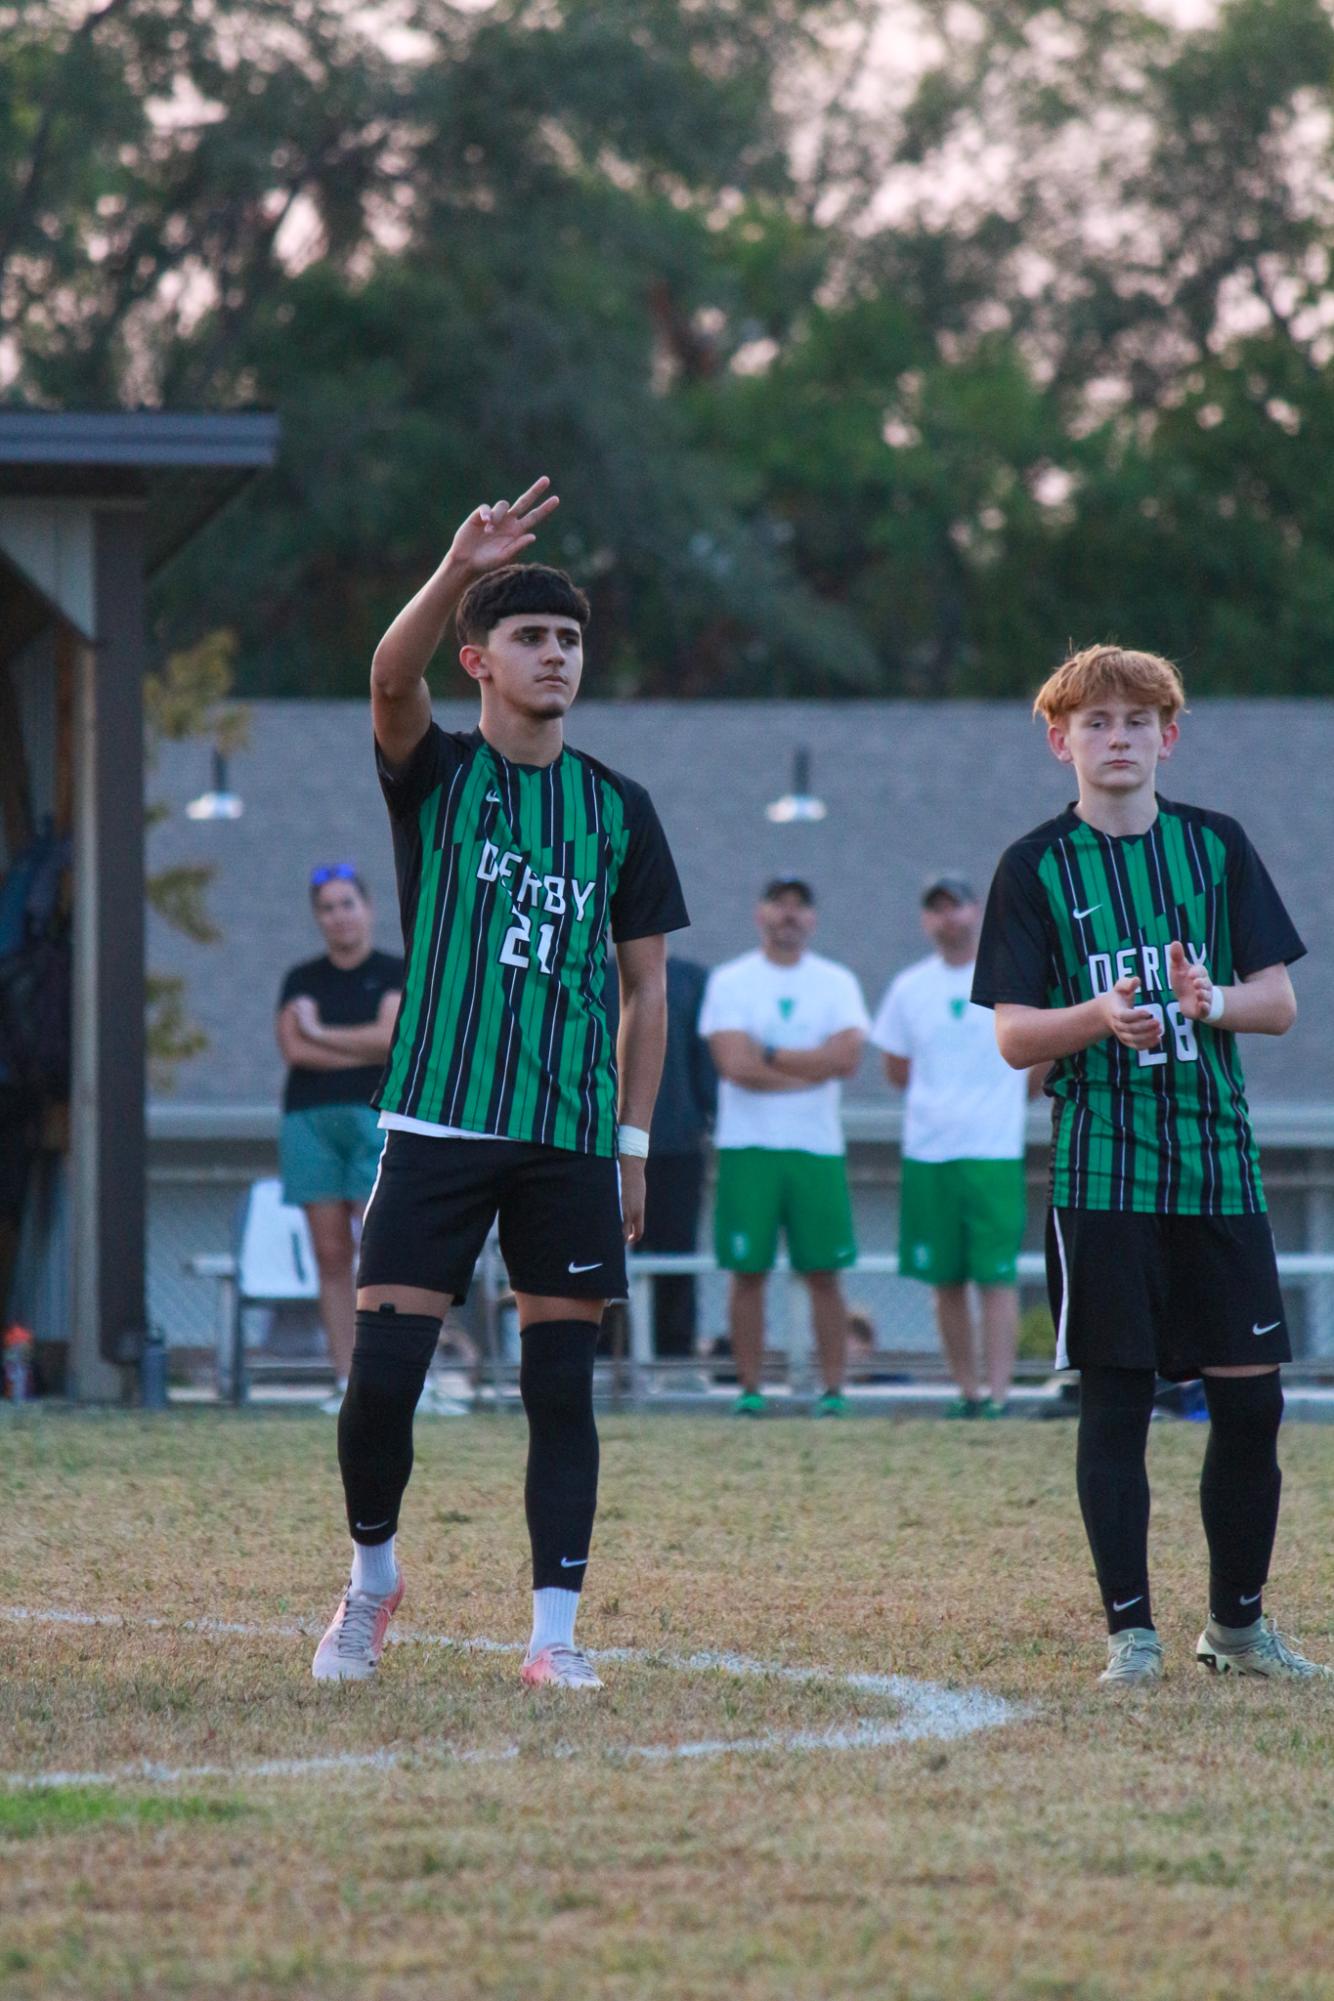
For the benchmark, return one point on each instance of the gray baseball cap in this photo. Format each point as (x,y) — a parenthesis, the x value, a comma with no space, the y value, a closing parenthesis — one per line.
(948,882)
(788,885)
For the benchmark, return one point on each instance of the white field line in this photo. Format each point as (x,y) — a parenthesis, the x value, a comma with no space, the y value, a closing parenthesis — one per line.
(925,1709)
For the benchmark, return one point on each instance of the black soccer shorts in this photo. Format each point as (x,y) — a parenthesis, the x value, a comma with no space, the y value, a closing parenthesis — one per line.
(1179,1294)
(434,1201)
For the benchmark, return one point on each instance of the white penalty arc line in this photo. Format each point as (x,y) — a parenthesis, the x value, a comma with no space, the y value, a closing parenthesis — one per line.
(925,1709)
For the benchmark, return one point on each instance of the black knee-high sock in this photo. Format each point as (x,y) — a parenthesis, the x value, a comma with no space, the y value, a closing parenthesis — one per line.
(390,1356)
(560,1493)
(1115,1406)
(1239,1491)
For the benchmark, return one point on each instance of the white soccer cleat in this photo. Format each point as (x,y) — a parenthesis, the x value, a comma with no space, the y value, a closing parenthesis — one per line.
(351,1648)
(1264,1651)
(558,1667)
(435,1401)
(1134,1657)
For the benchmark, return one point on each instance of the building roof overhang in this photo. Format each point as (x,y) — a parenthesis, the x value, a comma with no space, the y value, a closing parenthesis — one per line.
(182,467)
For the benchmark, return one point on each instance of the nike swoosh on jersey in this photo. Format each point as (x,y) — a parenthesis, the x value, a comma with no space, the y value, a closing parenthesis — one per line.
(1086,913)
(1266,1330)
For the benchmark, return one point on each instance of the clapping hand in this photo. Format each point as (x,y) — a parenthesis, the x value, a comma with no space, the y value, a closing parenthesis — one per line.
(1190,983)
(1135,1026)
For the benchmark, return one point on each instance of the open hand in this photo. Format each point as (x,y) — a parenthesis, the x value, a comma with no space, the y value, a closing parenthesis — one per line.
(498,531)
(1135,1026)
(1190,983)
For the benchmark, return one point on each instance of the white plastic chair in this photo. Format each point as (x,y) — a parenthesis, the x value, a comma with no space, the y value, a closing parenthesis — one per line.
(272,1264)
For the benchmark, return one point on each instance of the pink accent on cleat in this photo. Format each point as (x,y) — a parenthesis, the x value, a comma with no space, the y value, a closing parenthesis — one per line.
(351,1648)
(558,1667)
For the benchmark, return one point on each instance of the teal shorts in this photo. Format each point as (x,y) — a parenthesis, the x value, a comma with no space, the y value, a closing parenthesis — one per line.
(329,1153)
(961,1220)
(763,1190)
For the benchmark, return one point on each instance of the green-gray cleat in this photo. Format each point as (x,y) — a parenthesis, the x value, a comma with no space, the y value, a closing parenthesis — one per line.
(991,1408)
(749,1404)
(965,1407)
(1134,1656)
(832,1403)
(1259,1649)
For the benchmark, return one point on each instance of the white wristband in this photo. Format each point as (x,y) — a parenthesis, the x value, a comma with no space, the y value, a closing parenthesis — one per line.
(1215,1005)
(633,1141)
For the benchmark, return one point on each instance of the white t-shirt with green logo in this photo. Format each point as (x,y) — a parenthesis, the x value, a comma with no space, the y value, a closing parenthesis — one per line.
(964,1100)
(782,1007)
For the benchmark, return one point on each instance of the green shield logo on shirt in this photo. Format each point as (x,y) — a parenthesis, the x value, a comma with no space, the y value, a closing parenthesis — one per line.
(785,1008)
(957,1009)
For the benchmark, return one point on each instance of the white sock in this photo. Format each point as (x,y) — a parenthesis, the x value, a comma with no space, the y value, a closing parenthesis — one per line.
(553,1618)
(373,1568)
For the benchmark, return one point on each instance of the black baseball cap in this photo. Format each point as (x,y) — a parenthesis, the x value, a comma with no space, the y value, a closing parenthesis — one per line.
(948,882)
(788,885)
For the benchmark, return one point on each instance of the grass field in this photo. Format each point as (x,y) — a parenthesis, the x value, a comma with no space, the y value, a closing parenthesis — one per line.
(1177,1842)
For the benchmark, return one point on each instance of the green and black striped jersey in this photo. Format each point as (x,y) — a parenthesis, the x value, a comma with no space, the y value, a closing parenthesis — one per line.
(1071,911)
(511,879)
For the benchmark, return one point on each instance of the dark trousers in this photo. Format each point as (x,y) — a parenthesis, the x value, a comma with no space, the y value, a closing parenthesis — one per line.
(673,1191)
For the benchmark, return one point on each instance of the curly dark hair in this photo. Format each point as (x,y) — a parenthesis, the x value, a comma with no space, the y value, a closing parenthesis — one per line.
(518,587)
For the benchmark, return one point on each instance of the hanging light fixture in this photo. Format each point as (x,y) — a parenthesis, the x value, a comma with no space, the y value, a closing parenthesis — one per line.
(220,803)
(800,803)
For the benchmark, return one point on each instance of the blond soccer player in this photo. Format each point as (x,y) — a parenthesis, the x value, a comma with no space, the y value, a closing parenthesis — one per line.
(1131,942)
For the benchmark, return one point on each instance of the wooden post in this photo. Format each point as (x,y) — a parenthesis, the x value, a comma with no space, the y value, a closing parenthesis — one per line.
(109,1136)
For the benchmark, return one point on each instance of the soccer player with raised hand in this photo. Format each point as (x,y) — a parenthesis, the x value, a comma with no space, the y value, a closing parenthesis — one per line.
(1129,942)
(519,859)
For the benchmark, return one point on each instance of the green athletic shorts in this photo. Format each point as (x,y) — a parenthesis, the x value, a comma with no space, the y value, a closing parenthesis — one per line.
(762,1189)
(329,1153)
(961,1220)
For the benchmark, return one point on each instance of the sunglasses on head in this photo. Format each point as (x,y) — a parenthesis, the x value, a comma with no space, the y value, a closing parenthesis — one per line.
(333,872)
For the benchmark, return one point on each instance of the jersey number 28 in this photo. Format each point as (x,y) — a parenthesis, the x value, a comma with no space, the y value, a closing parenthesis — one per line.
(1187,1048)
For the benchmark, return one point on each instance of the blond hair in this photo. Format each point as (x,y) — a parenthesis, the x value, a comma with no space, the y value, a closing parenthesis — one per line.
(1102,671)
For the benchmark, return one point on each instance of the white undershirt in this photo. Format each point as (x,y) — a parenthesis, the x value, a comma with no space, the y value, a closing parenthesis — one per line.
(398,1122)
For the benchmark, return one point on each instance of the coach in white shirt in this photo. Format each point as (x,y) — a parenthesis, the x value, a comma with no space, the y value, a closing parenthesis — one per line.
(784,1026)
(961,1216)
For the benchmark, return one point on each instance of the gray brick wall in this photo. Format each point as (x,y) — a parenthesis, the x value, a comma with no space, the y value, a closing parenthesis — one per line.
(909,786)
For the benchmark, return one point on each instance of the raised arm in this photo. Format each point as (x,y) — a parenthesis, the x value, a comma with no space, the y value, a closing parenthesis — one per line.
(491,535)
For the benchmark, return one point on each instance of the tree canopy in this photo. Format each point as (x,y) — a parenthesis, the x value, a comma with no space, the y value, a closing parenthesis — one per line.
(872,351)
